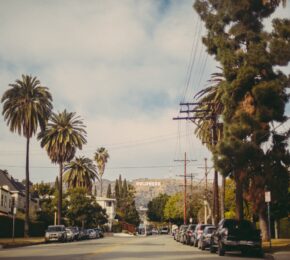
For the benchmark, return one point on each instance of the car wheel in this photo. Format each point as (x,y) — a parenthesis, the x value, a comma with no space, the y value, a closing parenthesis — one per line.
(221,250)
(212,249)
(195,242)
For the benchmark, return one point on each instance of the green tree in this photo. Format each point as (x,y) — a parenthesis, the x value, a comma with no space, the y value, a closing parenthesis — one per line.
(80,172)
(156,208)
(109,191)
(83,210)
(62,136)
(101,157)
(254,94)
(26,105)
(173,210)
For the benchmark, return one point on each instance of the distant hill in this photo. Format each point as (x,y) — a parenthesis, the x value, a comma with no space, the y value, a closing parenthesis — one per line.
(146,189)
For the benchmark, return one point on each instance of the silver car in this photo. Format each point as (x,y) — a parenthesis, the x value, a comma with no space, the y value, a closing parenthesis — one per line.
(56,233)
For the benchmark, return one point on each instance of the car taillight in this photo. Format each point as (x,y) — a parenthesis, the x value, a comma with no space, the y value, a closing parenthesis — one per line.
(190,233)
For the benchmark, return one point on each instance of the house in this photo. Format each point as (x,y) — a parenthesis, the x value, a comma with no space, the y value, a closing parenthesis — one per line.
(5,200)
(109,205)
(17,193)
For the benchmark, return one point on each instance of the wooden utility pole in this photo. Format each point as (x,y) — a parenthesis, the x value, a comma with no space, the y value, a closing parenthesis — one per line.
(185,160)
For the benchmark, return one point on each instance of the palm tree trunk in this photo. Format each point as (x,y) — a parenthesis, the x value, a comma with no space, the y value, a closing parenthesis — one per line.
(239,196)
(60,193)
(27,197)
(101,182)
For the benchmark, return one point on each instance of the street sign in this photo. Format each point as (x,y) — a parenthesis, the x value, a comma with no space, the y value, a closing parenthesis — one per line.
(14,210)
(267,196)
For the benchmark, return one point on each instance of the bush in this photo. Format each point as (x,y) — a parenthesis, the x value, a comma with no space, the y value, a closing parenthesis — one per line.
(6,224)
(117,227)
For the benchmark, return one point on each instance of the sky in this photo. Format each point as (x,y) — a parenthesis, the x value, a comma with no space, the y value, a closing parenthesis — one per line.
(123,66)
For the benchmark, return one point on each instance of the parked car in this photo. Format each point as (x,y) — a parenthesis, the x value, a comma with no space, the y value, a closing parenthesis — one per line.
(198,232)
(56,233)
(182,237)
(205,239)
(155,231)
(189,234)
(164,231)
(175,233)
(235,235)
(83,234)
(92,233)
(75,232)
(69,234)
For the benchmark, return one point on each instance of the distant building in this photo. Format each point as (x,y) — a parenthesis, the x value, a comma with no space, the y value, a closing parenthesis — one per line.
(110,206)
(17,193)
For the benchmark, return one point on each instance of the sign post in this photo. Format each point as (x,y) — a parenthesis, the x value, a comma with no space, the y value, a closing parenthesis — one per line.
(268,200)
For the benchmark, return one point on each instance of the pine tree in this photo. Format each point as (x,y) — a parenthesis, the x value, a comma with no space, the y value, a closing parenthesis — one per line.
(254,93)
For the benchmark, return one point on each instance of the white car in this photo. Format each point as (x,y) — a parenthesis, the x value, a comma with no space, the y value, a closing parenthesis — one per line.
(92,233)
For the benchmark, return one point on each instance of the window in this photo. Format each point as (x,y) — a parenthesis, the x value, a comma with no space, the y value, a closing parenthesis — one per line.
(2,200)
(109,203)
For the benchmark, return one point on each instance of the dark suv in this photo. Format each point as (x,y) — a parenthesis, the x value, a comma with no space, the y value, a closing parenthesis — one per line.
(235,235)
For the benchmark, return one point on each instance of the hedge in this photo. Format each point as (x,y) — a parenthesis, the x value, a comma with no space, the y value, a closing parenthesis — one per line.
(36,229)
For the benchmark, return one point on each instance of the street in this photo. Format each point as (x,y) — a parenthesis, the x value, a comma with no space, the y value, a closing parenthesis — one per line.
(152,247)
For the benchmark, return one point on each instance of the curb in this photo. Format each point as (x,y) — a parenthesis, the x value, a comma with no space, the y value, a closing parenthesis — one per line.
(19,245)
(269,257)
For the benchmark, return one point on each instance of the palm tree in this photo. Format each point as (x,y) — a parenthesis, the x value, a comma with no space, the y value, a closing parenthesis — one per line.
(63,135)
(80,172)
(209,99)
(101,157)
(26,105)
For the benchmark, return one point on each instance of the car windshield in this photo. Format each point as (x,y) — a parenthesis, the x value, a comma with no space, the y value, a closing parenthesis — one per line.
(210,230)
(242,225)
(54,229)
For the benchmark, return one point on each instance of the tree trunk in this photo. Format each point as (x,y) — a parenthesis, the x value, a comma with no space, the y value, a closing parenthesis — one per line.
(277,227)
(60,193)
(101,183)
(27,195)
(223,197)
(264,225)
(216,213)
(239,196)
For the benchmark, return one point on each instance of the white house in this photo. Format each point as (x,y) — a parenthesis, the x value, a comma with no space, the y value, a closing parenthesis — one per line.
(110,206)
(5,200)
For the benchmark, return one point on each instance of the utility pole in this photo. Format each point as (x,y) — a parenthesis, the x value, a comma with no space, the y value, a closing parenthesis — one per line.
(185,160)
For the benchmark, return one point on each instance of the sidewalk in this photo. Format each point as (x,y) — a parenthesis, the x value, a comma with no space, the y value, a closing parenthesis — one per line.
(280,249)
(8,243)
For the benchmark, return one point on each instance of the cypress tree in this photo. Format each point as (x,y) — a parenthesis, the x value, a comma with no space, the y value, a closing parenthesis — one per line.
(109,192)
(254,92)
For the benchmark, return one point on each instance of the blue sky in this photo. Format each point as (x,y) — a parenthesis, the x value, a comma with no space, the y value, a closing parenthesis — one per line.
(121,66)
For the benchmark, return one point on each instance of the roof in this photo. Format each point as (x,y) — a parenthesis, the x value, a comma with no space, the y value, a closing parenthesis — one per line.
(8,180)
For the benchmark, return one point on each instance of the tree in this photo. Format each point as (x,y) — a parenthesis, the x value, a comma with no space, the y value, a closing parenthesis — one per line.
(156,208)
(83,210)
(173,210)
(81,172)
(26,105)
(109,191)
(254,94)
(101,157)
(62,136)
(125,202)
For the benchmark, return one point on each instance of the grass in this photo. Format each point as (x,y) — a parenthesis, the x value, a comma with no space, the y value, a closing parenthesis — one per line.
(8,242)
(277,245)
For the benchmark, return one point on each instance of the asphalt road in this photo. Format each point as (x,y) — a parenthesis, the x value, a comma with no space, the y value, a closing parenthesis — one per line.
(120,248)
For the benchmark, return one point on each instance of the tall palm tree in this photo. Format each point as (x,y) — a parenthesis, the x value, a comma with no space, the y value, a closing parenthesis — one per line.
(210,99)
(80,172)
(101,157)
(26,105)
(63,135)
